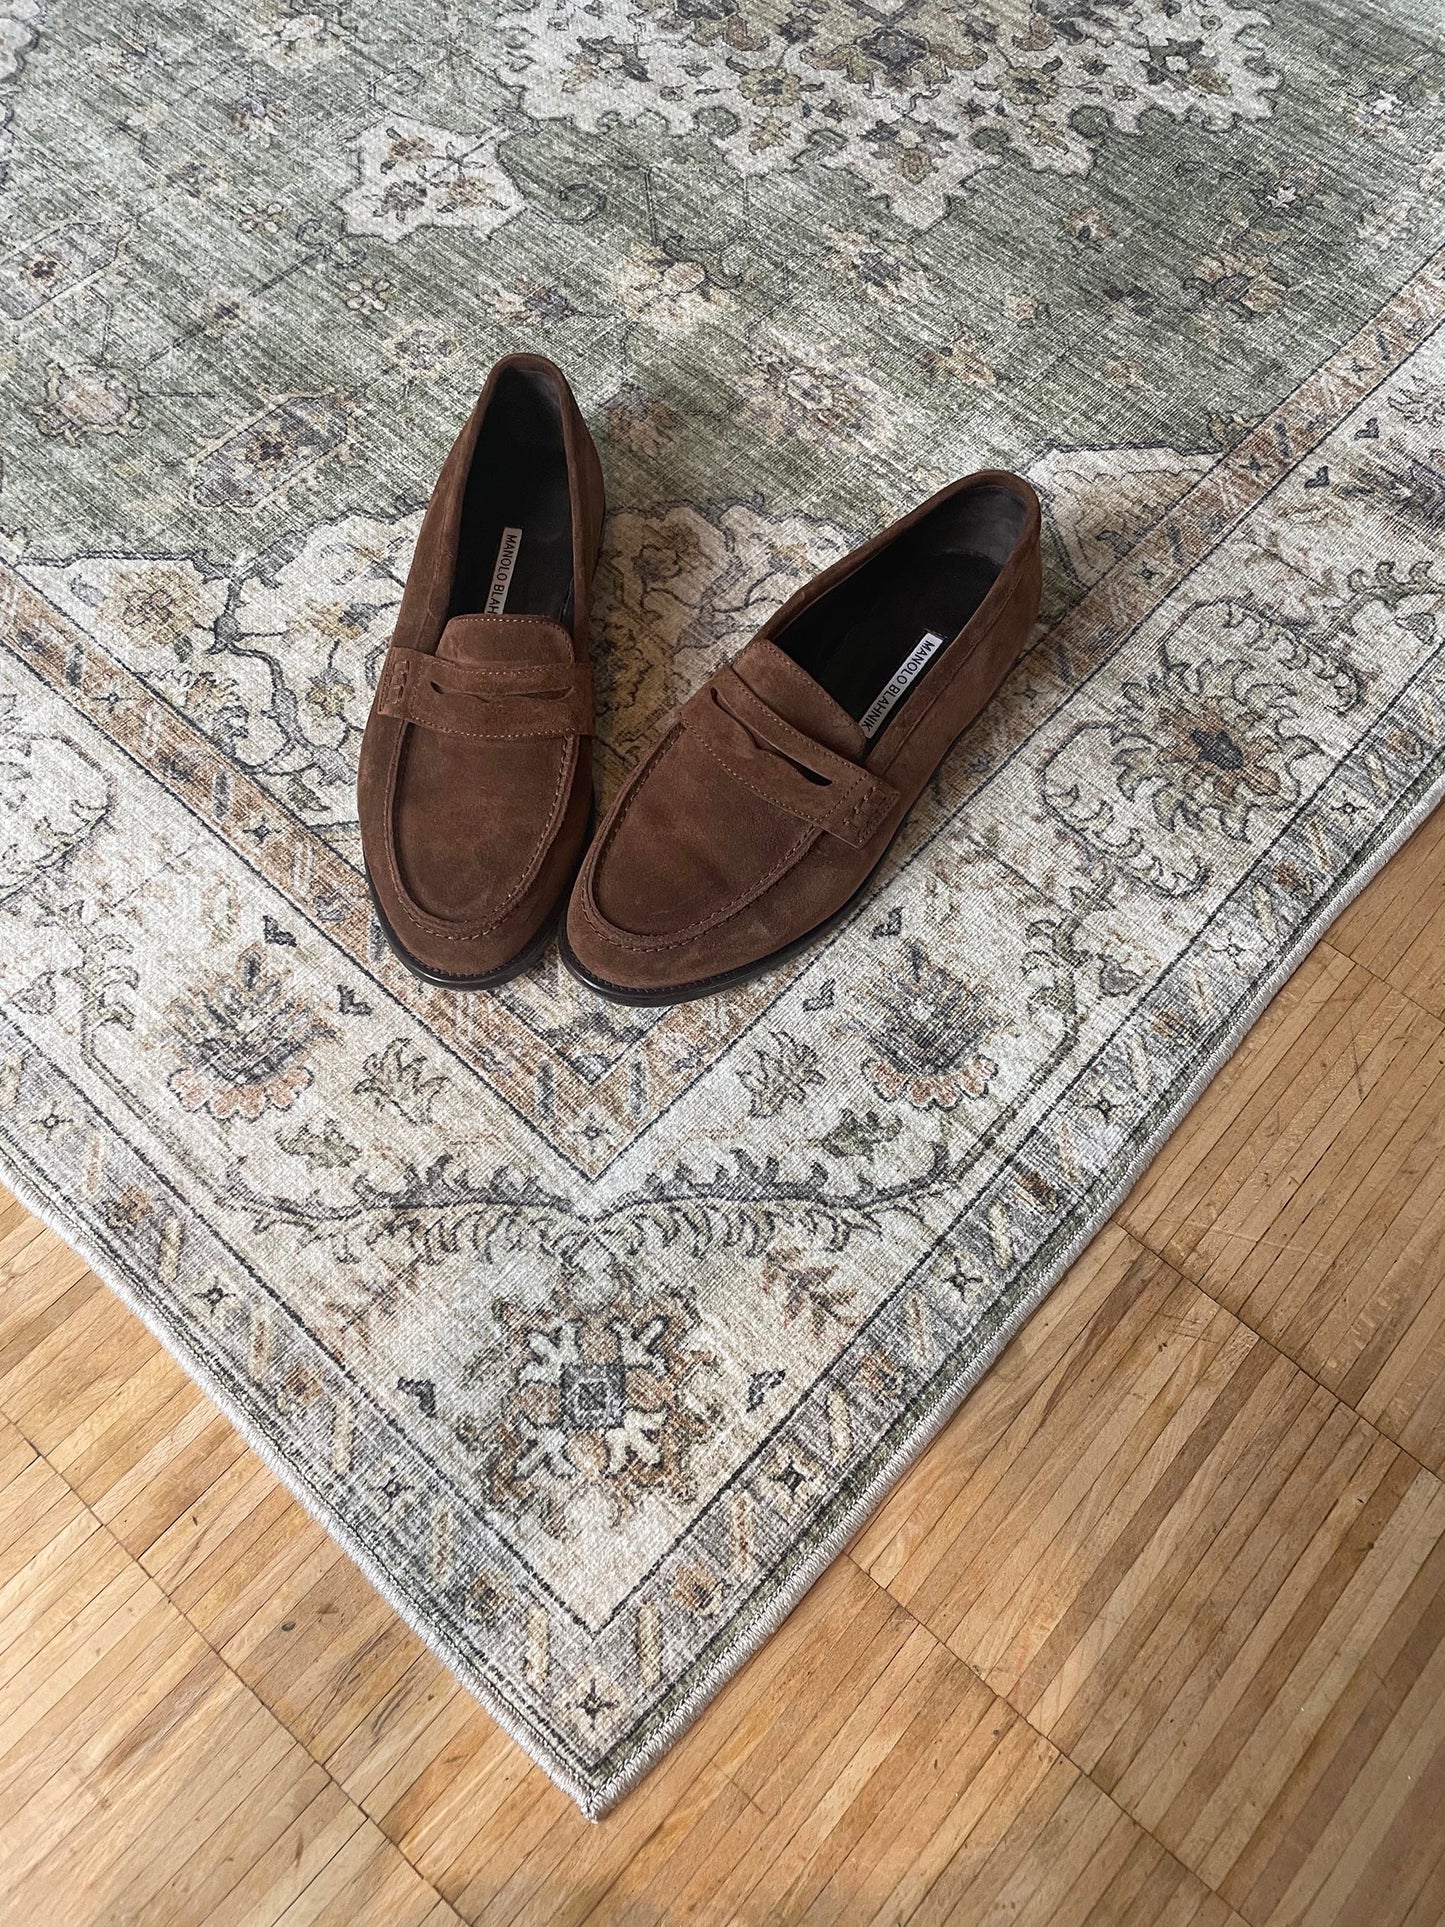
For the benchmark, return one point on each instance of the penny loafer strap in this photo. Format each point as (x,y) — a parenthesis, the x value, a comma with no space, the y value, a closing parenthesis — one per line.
(764,751)
(496,701)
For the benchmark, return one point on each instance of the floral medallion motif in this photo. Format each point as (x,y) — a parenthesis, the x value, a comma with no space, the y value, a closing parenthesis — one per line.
(272,450)
(820,394)
(607,1399)
(415,176)
(85,401)
(245,1040)
(674,296)
(928,1035)
(1211,741)
(1205,745)
(914,108)
(40,271)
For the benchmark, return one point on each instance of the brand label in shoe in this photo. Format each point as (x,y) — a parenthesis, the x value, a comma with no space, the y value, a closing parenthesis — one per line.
(898,684)
(502,574)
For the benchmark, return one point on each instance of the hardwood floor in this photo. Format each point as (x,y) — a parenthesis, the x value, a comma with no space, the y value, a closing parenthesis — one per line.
(1154,1632)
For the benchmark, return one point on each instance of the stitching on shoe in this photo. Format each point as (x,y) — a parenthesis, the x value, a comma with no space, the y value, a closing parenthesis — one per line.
(470,933)
(499,736)
(859,786)
(790,730)
(629,940)
(856,789)
(393,700)
(870,810)
(807,683)
(776,802)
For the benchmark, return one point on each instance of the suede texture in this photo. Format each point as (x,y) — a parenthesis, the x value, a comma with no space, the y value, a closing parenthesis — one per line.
(475,784)
(764,808)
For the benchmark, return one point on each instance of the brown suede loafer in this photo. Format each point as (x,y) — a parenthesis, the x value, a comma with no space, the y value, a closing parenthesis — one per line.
(475,789)
(759,817)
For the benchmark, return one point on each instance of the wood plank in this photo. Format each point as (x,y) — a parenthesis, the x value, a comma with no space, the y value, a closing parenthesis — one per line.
(367,1879)
(142,1778)
(834,1763)
(1306,1192)
(265,1839)
(1396,926)
(1213,1586)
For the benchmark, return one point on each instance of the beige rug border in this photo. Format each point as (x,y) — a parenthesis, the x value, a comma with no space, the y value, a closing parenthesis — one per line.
(594,1803)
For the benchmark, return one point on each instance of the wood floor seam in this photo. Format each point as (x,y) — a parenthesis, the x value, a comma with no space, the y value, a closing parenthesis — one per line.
(1279,1350)
(1047,1739)
(99,1526)
(1385,982)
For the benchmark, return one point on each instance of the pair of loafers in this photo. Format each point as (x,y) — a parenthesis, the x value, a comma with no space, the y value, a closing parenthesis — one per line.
(755,821)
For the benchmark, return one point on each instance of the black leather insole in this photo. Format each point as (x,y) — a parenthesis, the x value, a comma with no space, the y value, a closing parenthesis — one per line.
(931,580)
(938,596)
(518,480)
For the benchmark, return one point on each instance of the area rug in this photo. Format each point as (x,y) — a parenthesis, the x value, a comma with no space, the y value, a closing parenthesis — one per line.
(590,1333)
